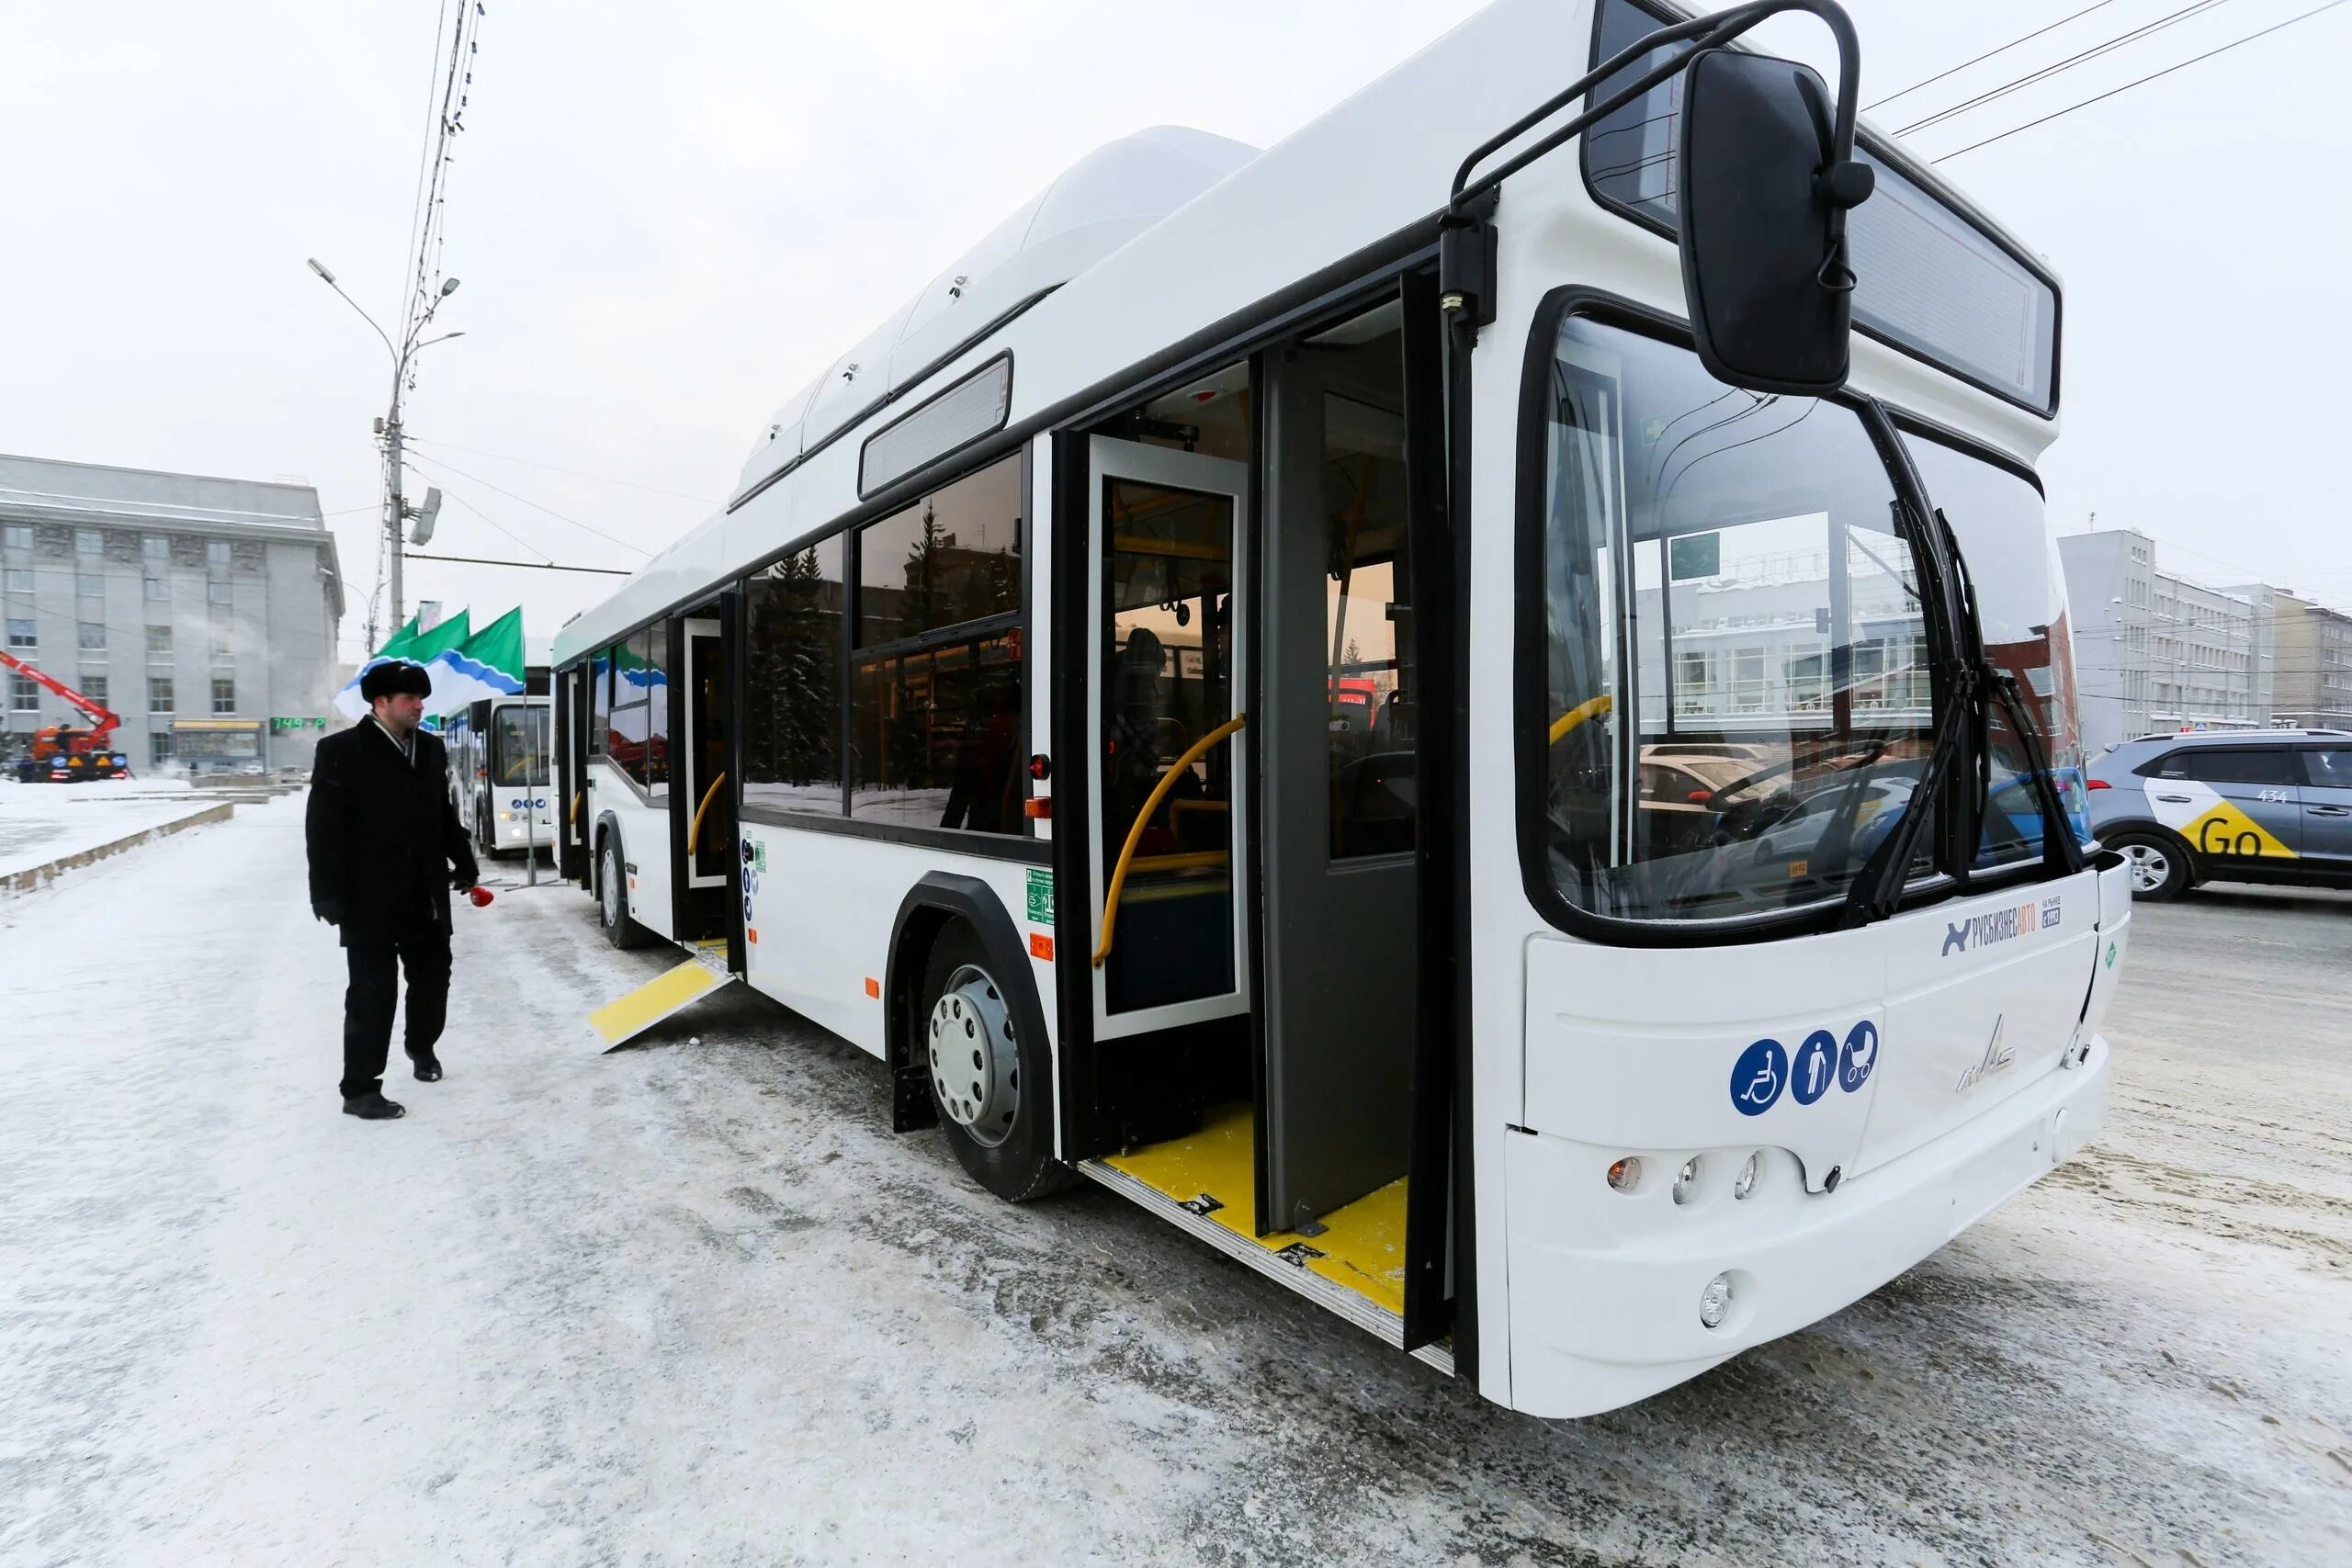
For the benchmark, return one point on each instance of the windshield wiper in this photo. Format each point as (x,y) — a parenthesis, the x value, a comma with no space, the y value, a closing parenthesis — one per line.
(1878,889)
(1974,682)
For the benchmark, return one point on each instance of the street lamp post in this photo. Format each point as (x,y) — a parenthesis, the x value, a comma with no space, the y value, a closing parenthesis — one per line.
(395,509)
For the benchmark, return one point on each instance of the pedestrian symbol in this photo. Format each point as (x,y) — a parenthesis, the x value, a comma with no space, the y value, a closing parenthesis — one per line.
(1816,1065)
(1860,1056)
(1758,1077)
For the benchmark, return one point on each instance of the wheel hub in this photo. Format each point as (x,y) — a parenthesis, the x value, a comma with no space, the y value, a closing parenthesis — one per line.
(974,1061)
(2150,866)
(612,888)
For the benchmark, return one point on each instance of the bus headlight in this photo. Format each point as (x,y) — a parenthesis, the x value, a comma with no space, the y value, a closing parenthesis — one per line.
(506,816)
(1714,1301)
(1627,1174)
(1745,1183)
(1686,1182)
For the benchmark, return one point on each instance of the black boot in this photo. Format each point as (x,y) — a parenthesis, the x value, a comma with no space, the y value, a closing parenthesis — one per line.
(374,1108)
(428,1067)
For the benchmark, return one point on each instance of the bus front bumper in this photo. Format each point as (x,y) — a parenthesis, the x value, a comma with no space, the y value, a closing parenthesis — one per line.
(1596,1326)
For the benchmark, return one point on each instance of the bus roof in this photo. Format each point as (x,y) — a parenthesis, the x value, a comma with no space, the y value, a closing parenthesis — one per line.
(1165,233)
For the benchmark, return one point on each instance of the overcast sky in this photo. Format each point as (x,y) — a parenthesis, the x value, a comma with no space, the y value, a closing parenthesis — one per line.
(666,219)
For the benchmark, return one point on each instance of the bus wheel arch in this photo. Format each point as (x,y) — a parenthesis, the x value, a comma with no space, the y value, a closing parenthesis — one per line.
(952,935)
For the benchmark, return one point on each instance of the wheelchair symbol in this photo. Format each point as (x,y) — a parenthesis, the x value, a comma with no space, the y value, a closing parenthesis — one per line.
(1759,1077)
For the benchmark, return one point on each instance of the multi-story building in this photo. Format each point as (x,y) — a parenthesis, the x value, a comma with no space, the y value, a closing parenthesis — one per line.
(2315,683)
(2155,651)
(202,611)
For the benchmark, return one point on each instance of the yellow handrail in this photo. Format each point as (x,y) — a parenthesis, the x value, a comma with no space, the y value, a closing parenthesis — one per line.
(1592,708)
(694,830)
(577,795)
(1135,834)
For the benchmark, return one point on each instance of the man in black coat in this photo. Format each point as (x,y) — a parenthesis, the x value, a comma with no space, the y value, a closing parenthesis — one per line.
(386,850)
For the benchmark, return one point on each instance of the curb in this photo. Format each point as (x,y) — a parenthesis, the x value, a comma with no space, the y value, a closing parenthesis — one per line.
(35,876)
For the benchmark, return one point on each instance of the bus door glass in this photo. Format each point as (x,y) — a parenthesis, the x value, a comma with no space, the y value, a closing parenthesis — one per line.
(1168,530)
(710,822)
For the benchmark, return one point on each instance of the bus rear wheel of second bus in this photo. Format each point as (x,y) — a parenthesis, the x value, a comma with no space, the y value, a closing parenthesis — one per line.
(989,1083)
(612,898)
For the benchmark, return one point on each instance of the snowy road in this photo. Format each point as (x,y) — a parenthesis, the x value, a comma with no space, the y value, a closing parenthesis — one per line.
(695,1303)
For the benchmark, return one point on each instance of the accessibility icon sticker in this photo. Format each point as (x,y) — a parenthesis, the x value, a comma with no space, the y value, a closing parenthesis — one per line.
(1758,1077)
(1858,1057)
(1816,1065)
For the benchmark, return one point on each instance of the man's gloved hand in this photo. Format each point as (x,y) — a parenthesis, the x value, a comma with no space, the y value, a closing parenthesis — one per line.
(464,878)
(328,909)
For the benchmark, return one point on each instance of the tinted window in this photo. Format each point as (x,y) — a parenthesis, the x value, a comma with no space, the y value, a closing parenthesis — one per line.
(792,720)
(2329,767)
(2232,764)
(637,733)
(600,701)
(938,736)
(951,558)
(936,727)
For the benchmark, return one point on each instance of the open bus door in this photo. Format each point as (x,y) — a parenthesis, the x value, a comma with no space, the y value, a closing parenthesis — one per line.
(701,812)
(571,773)
(1259,887)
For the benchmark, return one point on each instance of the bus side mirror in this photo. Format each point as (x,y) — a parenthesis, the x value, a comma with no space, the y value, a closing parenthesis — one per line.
(1763,224)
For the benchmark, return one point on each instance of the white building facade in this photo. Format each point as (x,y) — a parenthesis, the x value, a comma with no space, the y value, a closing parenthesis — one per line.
(2155,651)
(203,611)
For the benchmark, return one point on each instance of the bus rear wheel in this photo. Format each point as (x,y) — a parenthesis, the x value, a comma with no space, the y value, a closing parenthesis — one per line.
(990,1084)
(612,898)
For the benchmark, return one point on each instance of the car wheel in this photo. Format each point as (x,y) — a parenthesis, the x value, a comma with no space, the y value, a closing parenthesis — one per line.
(2159,866)
(612,898)
(992,1086)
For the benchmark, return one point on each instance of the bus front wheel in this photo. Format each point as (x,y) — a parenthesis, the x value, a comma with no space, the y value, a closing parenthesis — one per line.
(992,1086)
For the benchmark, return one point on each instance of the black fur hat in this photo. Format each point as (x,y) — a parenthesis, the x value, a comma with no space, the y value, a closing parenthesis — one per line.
(393,677)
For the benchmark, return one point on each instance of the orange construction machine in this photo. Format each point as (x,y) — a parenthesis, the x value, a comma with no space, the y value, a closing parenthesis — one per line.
(61,754)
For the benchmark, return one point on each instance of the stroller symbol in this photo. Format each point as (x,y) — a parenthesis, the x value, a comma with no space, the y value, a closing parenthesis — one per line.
(1759,1077)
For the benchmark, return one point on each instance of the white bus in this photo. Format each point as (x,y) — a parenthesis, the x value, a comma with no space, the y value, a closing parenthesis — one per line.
(1191,691)
(500,774)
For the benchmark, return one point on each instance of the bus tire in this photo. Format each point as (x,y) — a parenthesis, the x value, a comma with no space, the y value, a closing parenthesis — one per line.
(612,898)
(979,1066)
(2161,868)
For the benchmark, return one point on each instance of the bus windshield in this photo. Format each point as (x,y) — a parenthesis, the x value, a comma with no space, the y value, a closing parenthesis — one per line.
(1723,584)
(519,745)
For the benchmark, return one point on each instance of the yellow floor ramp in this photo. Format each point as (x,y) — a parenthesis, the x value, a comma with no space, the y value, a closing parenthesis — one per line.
(666,993)
(1206,1183)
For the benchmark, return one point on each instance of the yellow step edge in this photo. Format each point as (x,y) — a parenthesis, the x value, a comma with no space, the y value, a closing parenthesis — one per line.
(653,1002)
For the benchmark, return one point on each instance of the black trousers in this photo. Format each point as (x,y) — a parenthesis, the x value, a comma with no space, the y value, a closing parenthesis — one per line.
(374,991)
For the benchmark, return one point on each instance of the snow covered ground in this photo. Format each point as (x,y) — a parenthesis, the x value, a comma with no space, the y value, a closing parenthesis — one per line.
(695,1302)
(39,823)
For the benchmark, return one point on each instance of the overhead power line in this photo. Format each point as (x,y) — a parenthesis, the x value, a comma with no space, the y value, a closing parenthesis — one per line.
(2126,86)
(527,565)
(460,499)
(536,506)
(2020,82)
(575,473)
(1988,54)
